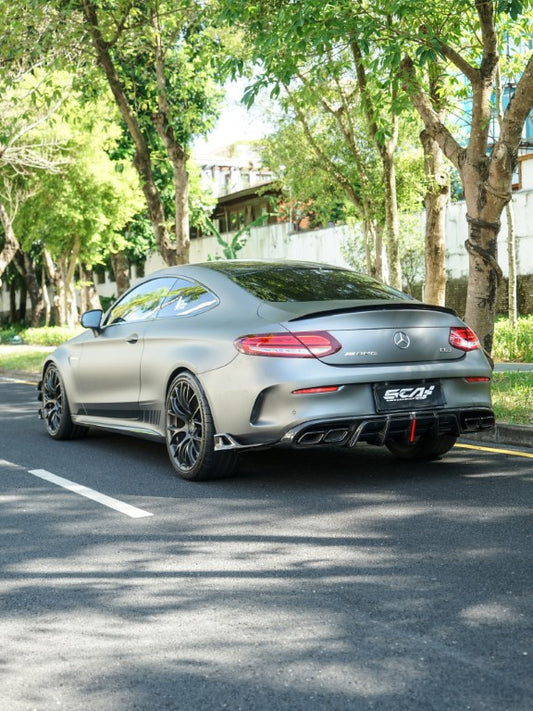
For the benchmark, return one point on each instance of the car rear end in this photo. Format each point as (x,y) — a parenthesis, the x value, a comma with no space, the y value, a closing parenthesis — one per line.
(382,368)
(395,372)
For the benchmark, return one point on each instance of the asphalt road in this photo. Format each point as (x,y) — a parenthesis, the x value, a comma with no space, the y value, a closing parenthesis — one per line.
(309,581)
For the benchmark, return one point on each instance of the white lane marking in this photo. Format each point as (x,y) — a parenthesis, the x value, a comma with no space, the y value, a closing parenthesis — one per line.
(109,501)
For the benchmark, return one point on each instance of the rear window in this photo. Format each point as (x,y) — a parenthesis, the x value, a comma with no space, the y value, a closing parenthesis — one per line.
(312,284)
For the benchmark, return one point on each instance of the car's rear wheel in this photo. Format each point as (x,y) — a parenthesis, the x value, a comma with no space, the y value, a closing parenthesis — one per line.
(56,410)
(190,433)
(425,447)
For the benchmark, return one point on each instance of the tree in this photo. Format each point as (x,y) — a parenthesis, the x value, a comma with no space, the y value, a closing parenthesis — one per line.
(318,161)
(27,147)
(464,35)
(436,197)
(159,61)
(467,37)
(311,162)
(326,48)
(80,213)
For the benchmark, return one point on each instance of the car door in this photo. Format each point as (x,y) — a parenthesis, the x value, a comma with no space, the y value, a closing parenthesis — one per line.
(110,363)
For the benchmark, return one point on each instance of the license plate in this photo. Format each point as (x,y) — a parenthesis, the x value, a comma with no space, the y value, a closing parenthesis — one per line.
(408,396)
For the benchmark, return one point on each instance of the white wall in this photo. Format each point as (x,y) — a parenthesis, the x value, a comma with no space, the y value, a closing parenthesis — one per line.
(274,241)
(457,232)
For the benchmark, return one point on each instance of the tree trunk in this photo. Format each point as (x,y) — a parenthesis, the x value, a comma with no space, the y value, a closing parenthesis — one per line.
(121,270)
(55,276)
(26,267)
(142,160)
(391,216)
(487,184)
(89,298)
(46,298)
(23,297)
(11,245)
(382,264)
(512,308)
(435,201)
(12,303)
(68,264)
(175,152)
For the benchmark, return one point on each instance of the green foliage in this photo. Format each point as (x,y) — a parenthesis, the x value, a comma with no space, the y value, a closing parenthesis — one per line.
(48,335)
(514,345)
(237,241)
(45,336)
(11,334)
(93,198)
(304,176)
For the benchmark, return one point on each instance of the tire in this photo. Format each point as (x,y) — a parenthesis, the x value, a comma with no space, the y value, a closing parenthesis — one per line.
(55,409)
(190,433)
(425,447)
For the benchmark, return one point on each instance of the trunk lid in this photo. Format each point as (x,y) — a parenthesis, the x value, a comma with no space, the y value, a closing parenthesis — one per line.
(377,335)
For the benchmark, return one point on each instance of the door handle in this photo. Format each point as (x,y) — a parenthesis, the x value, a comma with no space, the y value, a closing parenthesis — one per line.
(133,338)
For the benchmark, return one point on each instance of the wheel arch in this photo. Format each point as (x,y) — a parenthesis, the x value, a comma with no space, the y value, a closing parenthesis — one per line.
(185,369)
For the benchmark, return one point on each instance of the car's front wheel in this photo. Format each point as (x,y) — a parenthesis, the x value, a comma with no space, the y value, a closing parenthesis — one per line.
(190,433)
(425,447)
(56,410)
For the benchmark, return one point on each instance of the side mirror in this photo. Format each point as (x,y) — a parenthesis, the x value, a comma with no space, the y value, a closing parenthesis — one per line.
(92,319)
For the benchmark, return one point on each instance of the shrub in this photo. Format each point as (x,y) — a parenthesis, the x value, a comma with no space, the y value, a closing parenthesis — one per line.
(10,334)
(47,336)
(514,345)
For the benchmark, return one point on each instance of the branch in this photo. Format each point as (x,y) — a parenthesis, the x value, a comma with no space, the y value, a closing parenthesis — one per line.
(37,122)
(432,122)
(470,72)
(323,157)
(363,88)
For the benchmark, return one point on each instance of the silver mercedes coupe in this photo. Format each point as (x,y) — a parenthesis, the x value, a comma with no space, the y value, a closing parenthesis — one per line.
(225,356)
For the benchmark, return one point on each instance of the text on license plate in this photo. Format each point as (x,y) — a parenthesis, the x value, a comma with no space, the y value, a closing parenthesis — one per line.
(396,396)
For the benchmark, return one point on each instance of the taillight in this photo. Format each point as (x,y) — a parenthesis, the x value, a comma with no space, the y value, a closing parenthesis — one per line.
(306,344)
(464,338)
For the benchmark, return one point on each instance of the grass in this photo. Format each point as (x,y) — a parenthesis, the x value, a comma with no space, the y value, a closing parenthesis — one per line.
(512,393)
(26,361)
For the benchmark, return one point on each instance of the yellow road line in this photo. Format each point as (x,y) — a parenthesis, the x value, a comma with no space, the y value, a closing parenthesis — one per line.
(496,451)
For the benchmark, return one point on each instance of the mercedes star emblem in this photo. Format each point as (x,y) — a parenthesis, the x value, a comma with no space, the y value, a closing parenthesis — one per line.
(401,339)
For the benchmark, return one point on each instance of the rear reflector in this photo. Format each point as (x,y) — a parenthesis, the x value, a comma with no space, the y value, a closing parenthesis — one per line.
(322,389)
(464,339)
(306,344)
(477,380)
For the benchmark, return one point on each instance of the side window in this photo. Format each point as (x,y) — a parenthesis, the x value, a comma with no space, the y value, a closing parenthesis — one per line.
(141,302)
(186,298)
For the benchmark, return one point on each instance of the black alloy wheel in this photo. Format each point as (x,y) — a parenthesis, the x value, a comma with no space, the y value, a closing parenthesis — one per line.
(190,433)
(56,410)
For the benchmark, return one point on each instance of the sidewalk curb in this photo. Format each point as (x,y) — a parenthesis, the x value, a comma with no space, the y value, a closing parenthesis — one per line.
(503,433)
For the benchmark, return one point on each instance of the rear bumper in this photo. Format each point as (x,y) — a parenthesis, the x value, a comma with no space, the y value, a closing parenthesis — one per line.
(376,429)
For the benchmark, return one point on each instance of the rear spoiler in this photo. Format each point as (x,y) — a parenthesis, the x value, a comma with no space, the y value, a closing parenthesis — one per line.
(396,306)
